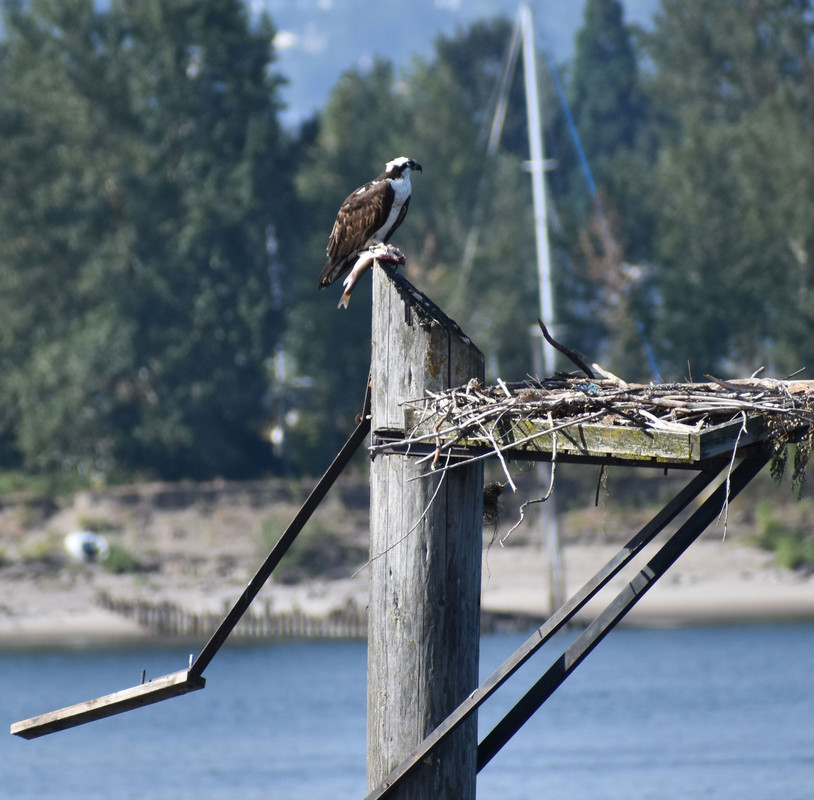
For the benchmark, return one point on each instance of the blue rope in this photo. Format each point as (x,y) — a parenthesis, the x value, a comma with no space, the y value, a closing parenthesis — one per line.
(589,179)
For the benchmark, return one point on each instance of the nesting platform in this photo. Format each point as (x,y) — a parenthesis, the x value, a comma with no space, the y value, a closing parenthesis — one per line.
(567,418)
(704,428)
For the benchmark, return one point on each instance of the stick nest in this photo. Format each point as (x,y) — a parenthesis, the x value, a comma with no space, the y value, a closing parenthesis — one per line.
(786,407)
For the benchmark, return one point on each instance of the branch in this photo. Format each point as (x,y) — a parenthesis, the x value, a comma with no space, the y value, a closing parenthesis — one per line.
(574,356)
(580,359)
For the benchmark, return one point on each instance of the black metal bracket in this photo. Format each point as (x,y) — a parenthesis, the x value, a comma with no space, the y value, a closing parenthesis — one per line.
(678,542)
(191,679)
(285,541)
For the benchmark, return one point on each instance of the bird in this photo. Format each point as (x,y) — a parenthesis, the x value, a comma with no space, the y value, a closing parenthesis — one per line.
(365,222)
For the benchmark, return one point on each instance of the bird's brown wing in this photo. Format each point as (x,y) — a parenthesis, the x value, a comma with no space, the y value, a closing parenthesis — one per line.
(360,216)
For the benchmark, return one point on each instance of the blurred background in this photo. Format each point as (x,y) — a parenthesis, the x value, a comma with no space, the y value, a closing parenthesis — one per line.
(171,379)
(170,171)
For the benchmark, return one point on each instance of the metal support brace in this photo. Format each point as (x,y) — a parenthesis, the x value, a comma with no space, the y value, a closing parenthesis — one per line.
(191,679)
(285,541)
(529,704)
(624,601)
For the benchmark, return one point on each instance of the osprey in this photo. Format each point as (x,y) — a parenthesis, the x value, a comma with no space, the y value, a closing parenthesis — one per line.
(366,220)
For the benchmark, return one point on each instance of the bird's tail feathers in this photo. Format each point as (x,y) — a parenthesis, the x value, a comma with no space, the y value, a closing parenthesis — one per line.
(331,271)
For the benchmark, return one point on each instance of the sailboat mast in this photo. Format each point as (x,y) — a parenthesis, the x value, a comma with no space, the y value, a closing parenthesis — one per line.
(537,167)
(534,115)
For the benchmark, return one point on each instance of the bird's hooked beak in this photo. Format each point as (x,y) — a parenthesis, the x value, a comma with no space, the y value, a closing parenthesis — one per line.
(415,166)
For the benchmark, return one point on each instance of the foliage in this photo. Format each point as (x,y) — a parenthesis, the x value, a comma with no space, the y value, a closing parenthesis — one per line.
(42,485)
(734,183)
(96,523)
(717,60)
(607,103)
(793,546)
(162,235)
(317,551)
(43,550)
(494,298)
(438,112)
(142,165)
(332,348)
(597,196)
(120,560)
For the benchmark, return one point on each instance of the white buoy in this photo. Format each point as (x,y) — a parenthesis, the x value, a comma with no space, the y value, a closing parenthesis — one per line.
(86,546)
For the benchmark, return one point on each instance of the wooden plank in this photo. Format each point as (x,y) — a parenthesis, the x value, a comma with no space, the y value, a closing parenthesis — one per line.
(527,438)
(425,542)
(189,680)
(153,691)
(720,439)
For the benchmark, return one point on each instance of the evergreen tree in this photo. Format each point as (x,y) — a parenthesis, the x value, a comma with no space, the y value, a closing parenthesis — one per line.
(606,101)
(601,217)
(734,184)
(328,350)
(718,59)
(438,112)
(142,150)
(493,296)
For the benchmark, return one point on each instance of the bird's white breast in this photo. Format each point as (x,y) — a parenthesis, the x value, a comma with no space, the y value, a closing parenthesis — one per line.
(402,188)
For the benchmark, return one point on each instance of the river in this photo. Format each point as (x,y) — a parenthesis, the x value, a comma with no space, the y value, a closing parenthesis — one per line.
(713,713)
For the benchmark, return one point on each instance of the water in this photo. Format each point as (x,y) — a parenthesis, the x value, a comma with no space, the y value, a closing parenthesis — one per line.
(714,713)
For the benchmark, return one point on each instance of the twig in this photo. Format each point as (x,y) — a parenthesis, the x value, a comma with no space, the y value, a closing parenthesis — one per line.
(502,460)
(471,414)
(539,499)
(725,509)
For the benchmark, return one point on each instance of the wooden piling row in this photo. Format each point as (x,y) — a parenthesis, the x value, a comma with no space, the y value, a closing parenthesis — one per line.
(172,620)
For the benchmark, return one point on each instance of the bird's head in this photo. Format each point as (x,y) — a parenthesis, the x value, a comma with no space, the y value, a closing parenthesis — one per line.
(401,166)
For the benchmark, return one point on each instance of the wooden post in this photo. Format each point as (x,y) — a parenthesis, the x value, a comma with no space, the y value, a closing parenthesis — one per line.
(425,542)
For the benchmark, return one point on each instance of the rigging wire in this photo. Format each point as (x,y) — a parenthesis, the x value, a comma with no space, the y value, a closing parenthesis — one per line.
(495,133)
(501,105)
(607,236)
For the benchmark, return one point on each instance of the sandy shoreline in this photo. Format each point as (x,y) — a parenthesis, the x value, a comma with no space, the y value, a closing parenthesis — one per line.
(713,583)
(197,546)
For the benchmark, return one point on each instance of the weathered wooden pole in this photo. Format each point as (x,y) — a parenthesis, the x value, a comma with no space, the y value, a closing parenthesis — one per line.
(425,539)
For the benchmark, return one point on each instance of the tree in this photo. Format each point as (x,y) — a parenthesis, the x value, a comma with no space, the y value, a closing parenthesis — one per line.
(143,153)
(607,103)
(734,184)
(490,290)
(329,350)
(600,214)
(437,112)
(717,60)
(734,242)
